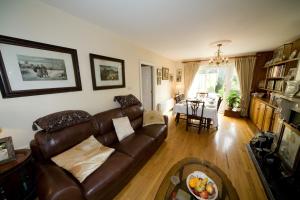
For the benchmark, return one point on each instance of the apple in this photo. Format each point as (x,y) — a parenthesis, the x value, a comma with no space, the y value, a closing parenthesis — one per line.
(204,194)
(209,188)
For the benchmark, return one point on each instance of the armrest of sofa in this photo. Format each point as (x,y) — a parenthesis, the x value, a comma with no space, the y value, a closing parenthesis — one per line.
(166,119)
(35,150)
(56,184)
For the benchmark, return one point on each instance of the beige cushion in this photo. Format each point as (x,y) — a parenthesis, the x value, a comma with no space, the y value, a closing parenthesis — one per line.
(123,127)
(84,158)
(153,117)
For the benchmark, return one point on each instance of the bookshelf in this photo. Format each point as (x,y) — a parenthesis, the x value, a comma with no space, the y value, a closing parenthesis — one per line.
(277,73)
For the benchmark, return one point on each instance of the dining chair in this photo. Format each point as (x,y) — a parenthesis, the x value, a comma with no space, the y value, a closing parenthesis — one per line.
(208,119)
(192,114)
(178,99)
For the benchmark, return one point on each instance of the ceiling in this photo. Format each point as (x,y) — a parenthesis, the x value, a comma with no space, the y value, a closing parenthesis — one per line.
(183,29)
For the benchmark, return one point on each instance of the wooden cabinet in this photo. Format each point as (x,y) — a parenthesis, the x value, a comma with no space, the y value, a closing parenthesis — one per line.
(254,109)
(17,178)
(262,114)
(268,117)
(276,126)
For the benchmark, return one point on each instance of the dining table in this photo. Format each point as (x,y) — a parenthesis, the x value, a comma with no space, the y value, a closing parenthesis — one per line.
(210,110)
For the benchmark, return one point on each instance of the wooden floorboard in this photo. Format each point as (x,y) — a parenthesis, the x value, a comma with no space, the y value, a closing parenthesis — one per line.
(226,148)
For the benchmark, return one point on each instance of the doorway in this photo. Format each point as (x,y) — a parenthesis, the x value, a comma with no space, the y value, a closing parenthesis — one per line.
(147,86)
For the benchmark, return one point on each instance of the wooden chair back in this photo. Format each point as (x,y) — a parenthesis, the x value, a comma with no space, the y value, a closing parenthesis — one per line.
(219,103)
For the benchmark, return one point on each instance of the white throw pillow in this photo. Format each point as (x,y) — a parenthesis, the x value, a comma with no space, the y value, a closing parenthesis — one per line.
(84,158)
(123,127)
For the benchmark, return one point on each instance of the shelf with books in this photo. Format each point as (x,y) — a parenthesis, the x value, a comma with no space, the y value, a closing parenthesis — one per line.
(281,62)
(275,78)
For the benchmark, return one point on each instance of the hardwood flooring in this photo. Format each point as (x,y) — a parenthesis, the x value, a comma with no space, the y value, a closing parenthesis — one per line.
(224,148)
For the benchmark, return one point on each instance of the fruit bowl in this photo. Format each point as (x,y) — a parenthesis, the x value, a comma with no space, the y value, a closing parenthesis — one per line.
(201,186)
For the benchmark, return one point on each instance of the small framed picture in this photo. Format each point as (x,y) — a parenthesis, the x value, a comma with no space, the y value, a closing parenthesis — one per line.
(171,77)
(107,73)
(292,73)
(33,68)
(159,80)
(158,76)
(178,75)
(7,152)
(165,73)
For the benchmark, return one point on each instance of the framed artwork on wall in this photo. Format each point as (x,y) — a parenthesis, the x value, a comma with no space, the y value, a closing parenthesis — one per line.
(178,75)
(171,77)
(7,152)
(107,73)
(32,68)
(159,76)
(165,73)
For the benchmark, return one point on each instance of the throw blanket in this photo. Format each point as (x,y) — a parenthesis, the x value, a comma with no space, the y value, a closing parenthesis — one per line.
(60,120)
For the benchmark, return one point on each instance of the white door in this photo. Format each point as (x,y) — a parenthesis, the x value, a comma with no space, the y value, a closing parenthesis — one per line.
(147,87)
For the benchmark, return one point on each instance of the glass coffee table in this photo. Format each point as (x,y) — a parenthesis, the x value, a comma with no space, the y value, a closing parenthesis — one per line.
(175,180)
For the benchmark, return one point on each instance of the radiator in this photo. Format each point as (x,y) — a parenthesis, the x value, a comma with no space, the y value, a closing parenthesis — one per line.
(166,106)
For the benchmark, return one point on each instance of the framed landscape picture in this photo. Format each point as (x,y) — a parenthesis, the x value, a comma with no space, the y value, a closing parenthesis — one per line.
(107,73)
(165,73)
(32,68)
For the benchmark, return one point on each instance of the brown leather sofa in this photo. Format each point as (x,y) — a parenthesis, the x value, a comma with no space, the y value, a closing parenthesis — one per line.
(104,183)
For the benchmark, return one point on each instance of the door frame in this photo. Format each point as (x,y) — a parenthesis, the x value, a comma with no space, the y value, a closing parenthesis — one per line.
(152,66)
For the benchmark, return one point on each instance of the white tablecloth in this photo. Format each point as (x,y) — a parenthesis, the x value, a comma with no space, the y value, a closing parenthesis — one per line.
(210,111)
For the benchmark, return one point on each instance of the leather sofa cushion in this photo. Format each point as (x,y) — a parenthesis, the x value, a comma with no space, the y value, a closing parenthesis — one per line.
(102,180)
(135,145)
(105,129)
(155,131)
(135,115)
(51,144)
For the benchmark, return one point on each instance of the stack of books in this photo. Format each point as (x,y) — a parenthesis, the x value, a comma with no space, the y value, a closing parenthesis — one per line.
(276,71)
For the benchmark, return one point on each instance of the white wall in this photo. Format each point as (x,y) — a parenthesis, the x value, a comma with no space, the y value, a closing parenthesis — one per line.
(34,20)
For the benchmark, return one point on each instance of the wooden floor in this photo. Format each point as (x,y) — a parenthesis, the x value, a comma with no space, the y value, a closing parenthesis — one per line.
(225,148)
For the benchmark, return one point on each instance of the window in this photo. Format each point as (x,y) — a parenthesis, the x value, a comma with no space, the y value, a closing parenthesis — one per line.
(212,79)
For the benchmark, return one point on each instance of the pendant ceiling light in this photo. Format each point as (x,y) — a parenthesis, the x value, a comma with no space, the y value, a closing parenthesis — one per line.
(219,58)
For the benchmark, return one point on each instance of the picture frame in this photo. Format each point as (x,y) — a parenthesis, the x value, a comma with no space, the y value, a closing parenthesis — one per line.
(32,68)
(158,75)
(107,72)
(7,152)
(289,149)
(178,75)
(159,80)
(291,75)
(171,77)
(165,73)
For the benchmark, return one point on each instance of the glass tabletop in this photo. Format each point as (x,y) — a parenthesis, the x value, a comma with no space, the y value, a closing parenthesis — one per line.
(175,180)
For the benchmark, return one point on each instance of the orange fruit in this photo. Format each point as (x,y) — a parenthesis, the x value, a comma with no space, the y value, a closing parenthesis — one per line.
(194,182)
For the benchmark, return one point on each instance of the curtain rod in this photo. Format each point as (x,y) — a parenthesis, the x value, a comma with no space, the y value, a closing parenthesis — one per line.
(188,61)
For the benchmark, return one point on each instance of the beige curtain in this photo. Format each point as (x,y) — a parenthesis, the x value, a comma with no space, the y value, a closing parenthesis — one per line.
(244,68)
(190,70)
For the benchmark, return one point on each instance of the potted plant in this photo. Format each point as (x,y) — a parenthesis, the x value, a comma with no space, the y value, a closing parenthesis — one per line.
(233,99)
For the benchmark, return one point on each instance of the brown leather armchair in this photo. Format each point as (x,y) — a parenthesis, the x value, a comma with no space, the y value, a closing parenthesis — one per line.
(104,183)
